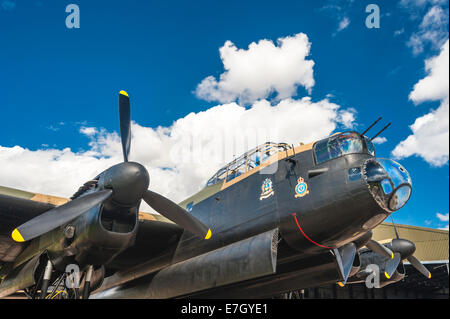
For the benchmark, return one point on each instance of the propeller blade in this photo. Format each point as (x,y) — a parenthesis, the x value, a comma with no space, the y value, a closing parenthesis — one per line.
(391,265)
(59,216)
(379,249)
(125,123)
(177,214)
(419,266)
(345,257)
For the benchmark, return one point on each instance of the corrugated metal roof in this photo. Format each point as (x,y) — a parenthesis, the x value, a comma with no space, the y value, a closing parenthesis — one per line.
(432,244)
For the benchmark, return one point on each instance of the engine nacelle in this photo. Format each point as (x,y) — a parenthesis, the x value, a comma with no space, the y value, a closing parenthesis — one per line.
(94,238)
(378,268)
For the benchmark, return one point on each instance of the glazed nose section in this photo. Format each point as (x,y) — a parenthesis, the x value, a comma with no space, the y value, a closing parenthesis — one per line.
(128,180)
(389,183)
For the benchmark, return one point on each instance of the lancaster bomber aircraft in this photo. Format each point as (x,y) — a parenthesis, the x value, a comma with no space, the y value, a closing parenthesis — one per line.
(278,218)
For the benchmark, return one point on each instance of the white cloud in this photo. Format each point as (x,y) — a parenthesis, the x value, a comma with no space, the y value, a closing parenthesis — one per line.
(433,30)
(399,32)
(380,140)
(51,171)
(442,217)
(340,11)
(344,23)
(420,3)
(436,85)
(179,158)
(430,138)
(89,131)
(261,70)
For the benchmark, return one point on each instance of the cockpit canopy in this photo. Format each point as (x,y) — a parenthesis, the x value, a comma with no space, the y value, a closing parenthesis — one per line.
(342,144)
(247,162)
(327,149)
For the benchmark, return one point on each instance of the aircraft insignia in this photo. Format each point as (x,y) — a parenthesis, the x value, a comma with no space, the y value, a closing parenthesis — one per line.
(301,189)
(267,189)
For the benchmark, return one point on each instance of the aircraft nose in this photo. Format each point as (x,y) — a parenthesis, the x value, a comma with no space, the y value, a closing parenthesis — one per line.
(389,183)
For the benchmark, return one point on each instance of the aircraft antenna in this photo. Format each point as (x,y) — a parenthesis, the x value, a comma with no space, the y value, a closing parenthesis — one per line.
(371,126)
(395,228)
(380,131)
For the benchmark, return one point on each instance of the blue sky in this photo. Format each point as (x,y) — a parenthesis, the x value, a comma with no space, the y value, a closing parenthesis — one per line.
(56,81)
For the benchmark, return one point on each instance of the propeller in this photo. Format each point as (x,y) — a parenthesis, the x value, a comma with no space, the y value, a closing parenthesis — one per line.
(159,203)
(379,249)
(407,248)
(125,183)
(59,216)
(398,250)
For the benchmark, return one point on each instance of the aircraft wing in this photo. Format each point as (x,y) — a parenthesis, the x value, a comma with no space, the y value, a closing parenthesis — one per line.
(17,207)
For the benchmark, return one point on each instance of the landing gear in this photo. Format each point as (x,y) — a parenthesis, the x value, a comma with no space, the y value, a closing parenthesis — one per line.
(46,280)
(59,292)
(87,282)
(54,284)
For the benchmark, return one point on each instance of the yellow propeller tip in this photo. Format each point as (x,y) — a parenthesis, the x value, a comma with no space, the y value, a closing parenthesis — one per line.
(123,93)
(208,235)
(429,275)
(387,276)
(392,256)
(340,284)
(17,236)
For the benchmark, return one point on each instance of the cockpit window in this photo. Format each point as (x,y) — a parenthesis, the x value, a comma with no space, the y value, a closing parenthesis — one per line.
(219,176)
(336,146)
(350,143)
(326,150)
(370,147)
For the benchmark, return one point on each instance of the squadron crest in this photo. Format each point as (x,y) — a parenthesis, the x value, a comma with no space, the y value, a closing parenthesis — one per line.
(301,189)
(266,189)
